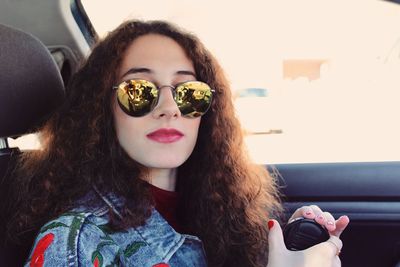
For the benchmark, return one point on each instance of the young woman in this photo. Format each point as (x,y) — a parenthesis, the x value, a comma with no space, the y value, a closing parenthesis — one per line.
(143,166)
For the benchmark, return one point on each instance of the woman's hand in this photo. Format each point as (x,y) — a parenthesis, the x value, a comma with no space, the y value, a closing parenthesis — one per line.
(321,255)
(325,219)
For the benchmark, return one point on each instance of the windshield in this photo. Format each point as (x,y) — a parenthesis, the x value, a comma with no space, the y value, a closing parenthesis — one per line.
(327,71)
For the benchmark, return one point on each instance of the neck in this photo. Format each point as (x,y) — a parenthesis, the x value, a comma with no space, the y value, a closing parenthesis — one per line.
(163,178)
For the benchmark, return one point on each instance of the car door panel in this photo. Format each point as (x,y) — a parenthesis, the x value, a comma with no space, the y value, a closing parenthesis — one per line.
(367,192)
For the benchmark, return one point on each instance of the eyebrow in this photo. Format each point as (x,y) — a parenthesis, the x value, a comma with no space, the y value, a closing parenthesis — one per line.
(186,72)
(146,70)
(137,70)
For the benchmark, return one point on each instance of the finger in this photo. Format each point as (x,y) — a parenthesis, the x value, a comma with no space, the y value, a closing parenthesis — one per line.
(278,254)
(275,238)
(304,211)
(330,223)
(317,210)
(341,224)
(319,215)
(335,244)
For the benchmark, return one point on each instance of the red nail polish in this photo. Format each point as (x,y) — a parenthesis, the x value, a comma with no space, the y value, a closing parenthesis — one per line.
(270,224)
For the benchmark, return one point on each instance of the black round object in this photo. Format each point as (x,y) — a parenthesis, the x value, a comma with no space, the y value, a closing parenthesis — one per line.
(304,233)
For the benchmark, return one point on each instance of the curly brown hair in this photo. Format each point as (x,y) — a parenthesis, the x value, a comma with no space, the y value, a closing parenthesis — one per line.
(226,200)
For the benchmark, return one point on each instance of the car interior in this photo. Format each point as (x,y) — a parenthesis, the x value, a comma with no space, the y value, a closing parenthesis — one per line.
(27,94)
(42,45)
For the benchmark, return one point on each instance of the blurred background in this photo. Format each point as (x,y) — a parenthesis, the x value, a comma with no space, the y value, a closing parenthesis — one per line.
(312,80)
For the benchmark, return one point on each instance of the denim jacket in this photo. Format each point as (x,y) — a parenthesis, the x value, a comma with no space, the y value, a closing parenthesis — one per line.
(82,238)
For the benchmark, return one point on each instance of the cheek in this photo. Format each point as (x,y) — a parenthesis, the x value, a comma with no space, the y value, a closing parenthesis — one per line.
(194,125)
(126,127)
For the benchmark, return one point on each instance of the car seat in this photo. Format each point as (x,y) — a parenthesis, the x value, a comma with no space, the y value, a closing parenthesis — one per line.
(31,88)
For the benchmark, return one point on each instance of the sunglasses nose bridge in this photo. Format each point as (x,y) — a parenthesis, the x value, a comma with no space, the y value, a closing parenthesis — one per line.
(166,103)
(168,86)
(172,89)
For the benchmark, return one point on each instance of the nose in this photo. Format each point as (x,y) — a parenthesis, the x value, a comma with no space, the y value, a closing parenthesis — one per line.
(166,106)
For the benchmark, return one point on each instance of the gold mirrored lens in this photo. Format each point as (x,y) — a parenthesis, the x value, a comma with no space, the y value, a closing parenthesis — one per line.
(193,98)
(137,97)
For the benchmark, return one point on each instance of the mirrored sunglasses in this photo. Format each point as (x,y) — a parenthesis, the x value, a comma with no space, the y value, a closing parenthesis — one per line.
(138,97)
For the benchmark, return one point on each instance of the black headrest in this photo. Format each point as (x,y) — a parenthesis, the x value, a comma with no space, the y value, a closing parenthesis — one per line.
(31,86)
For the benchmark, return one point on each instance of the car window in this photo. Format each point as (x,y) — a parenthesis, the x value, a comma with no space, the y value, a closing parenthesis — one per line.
(313,81)
(253,92)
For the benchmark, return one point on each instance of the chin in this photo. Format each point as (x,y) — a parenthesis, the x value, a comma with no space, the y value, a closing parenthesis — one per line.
(167,162)
(166,165)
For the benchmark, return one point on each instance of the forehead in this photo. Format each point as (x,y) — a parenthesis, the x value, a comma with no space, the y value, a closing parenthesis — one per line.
(155,51)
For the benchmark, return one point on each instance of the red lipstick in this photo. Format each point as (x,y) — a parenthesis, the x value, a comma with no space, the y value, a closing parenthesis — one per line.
(164,135)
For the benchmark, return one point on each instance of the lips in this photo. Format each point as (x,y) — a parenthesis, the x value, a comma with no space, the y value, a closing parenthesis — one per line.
(165,135)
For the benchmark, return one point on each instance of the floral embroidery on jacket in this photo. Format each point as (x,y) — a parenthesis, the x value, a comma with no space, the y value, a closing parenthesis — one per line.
(97,259)
(86,238)
(37,259)
(133,248)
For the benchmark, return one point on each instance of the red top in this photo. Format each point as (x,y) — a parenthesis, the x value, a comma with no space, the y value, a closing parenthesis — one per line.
(166,204)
